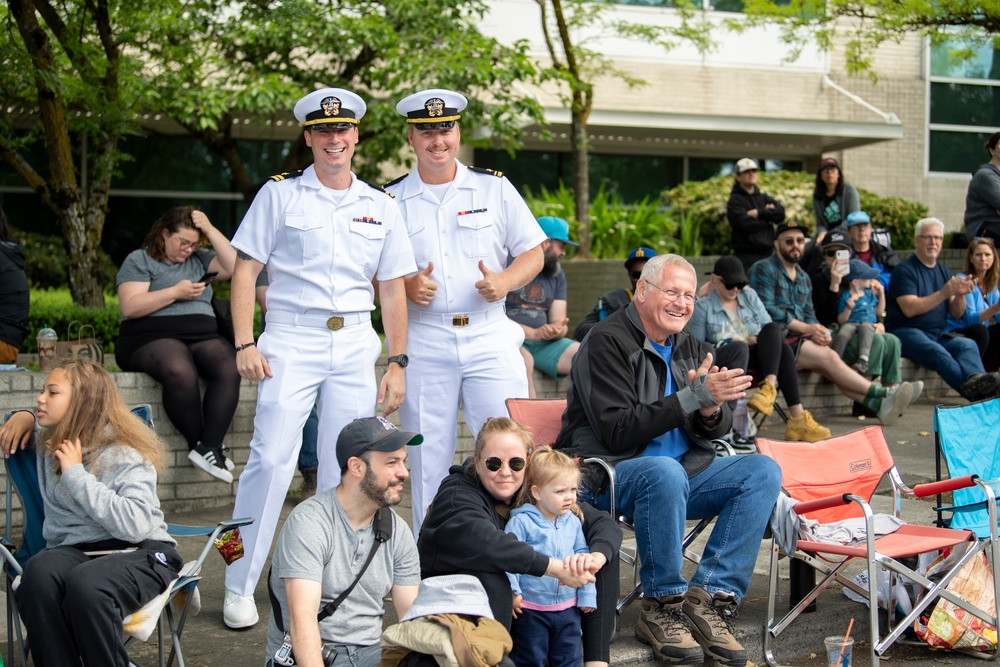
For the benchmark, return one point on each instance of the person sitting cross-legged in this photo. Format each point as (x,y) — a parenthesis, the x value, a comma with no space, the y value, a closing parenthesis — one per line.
(644,395)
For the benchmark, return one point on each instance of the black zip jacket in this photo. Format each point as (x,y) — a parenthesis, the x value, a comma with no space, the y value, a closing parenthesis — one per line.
(616,405)
(463,534)
(752,236)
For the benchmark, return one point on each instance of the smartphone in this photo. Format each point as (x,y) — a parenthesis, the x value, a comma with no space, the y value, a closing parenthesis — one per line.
(208,277)
(843,255)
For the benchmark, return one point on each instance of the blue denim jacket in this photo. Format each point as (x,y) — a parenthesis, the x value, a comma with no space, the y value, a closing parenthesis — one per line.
(710,321)
(558,540)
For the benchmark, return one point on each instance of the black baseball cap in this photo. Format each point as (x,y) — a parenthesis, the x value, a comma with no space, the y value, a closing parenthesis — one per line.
(790,224)
(373,434)
(836,239)
(730,269)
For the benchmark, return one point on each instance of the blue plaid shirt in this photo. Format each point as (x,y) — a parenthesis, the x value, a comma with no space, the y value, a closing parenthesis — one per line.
(785,299)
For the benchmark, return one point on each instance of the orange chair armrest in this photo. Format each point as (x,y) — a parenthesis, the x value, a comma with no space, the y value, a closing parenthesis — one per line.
(945,485)
(822,503)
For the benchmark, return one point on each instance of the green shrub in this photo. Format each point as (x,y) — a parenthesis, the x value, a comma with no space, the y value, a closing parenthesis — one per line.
(704,204)
(47,264)
(615,226)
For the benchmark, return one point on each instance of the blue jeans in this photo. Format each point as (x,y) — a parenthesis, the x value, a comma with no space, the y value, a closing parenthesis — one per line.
(954,358)
(551,637)
(657,493)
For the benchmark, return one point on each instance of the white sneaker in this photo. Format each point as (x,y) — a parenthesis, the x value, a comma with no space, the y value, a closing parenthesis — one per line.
(894,404)
(239,611)
(918,388)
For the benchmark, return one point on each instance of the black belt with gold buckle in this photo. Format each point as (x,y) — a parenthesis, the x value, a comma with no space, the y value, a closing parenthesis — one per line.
(335,323)
(460,321)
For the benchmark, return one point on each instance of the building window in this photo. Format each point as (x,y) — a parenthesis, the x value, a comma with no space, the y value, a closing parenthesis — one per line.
(964,100)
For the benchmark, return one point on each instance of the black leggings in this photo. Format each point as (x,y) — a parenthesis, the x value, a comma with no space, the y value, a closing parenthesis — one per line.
(176,365)
(773,356)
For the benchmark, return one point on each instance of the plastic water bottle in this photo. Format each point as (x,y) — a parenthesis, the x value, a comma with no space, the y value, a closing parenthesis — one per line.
(46,341)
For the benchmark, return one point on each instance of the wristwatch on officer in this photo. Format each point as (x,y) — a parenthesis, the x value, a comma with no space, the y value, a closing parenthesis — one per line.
(400,359)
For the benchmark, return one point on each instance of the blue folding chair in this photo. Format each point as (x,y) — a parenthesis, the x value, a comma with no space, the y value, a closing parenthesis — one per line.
(22,479)
(968,438)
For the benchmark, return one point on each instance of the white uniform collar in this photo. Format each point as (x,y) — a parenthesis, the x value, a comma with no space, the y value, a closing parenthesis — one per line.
(358,188)
(414,187)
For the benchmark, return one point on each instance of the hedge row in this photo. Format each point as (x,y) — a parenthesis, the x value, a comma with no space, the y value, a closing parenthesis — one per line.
(704,203)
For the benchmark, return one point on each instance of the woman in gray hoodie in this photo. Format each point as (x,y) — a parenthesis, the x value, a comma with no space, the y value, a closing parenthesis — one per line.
(982,202)
(97,472)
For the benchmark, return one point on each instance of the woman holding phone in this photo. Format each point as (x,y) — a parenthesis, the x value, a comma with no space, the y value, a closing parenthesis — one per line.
(169,330)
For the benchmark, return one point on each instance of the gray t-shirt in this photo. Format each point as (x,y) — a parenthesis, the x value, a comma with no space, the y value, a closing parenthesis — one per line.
(318,543)
(530,304)
(139,267)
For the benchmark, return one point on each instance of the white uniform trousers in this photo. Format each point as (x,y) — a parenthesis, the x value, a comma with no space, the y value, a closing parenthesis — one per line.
(339,366)
(479,363)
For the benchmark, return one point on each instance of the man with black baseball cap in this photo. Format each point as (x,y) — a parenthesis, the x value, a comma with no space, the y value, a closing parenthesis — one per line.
(325,540)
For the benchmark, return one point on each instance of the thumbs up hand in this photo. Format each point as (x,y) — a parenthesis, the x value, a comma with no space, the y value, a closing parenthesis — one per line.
(491,287)
(420,288)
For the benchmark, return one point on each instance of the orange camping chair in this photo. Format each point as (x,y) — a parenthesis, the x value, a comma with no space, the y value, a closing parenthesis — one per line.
(833,480)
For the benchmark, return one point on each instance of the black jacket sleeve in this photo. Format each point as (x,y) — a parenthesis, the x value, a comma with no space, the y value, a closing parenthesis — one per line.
(603,533)
(463,532)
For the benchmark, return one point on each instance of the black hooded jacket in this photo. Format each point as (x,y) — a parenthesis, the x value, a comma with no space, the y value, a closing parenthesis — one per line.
(14,301)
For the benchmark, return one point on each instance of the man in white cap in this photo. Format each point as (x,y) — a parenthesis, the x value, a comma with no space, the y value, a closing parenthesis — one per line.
(752,215)
(340,536)
(463,223)
(323,235)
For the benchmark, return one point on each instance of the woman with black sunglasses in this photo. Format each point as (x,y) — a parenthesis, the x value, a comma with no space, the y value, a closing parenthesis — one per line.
(733,311)
(463,533)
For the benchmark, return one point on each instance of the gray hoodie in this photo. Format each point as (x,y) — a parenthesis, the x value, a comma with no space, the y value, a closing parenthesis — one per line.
(111,497)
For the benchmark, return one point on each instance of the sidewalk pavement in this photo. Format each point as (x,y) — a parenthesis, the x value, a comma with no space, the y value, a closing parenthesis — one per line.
(207,642)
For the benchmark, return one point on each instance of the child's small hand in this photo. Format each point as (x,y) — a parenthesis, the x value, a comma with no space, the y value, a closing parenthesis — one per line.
(517,606)
(851,300)
(877,288)
(68,454)
(588,610)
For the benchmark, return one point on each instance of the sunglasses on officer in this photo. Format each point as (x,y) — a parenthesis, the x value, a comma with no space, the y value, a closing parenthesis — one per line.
(494,463)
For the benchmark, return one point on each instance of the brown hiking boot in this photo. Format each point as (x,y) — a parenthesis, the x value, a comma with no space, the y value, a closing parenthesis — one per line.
(709,617)
(663,626)
(763,400)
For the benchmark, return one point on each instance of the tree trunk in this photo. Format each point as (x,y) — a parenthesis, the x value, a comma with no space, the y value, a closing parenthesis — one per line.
(82,229)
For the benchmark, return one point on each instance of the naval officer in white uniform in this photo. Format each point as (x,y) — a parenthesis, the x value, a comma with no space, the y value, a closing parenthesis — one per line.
(463,223)
(323,235)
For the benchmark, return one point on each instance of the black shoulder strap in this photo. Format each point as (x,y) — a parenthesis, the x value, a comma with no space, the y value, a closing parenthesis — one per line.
(484,170)
(377,187)
(394,181)
(382,525)
(286,175)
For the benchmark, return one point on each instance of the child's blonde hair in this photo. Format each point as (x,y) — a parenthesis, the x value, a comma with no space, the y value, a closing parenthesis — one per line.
(544,466)
(98,416)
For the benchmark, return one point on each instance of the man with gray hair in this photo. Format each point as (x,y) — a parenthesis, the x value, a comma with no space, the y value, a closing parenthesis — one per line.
(646,397)
(922,293)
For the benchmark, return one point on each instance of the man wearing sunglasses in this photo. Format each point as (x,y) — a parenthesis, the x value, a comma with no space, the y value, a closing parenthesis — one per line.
(618,298)
(646,396)
(786,292)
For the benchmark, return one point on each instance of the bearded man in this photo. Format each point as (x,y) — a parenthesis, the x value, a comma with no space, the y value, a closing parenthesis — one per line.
(540,308)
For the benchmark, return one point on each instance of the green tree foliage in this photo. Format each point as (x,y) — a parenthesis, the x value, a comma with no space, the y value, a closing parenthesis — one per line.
(864,25)
(703,204)
(217,66)
(570,28)
(78,75)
